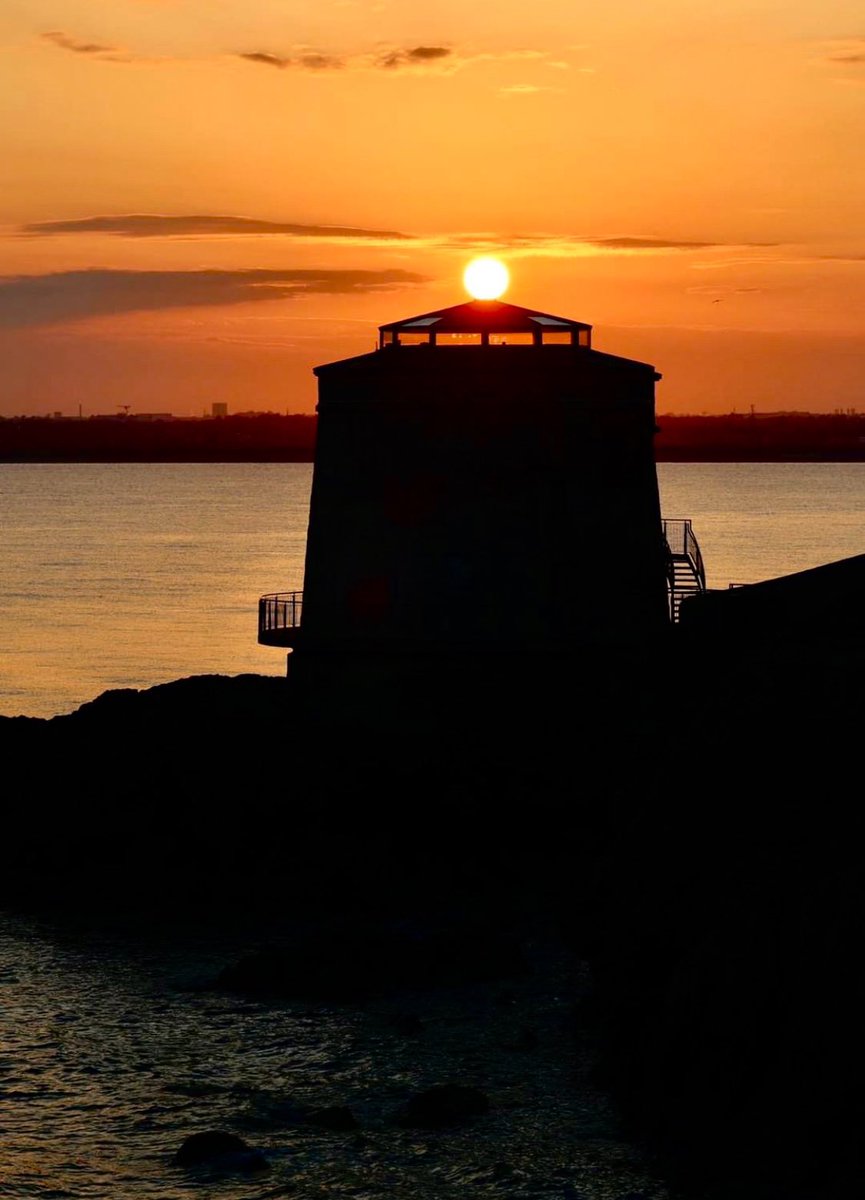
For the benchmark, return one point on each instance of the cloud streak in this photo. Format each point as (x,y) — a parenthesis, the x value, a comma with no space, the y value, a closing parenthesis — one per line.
(96,51)
(59,38)
(439,59)
(64,296)
(848,51)
(649,243)
(523,245)
(389,60)
(141,225)
(418,56)
(543,245)
(306,61)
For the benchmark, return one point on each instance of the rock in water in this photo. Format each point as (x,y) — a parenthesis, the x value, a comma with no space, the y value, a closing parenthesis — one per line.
(350,961)
(443,1105)
(338,1119)
(216,1148)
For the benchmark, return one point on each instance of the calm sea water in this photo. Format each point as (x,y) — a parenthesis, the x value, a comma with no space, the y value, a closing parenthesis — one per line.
(131,575)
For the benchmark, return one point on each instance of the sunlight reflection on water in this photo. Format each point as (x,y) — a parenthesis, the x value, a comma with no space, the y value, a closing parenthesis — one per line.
(142,573)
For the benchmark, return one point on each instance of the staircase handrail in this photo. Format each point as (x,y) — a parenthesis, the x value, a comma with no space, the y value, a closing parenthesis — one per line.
(680,544)
(692,549)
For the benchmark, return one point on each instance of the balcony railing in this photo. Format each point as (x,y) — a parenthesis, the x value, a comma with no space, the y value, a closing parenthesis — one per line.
(279,616)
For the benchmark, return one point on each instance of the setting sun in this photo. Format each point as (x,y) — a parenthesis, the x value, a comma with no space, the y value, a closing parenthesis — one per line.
(486,278)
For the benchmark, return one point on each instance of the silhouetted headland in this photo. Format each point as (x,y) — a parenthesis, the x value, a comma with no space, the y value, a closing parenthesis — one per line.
(243,437)
(274,437)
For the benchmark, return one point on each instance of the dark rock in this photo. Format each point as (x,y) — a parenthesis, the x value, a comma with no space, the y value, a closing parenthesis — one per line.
(444,1105)
(216,1148)
(409,1024)
(525,1039)
(337,1118)
(256,973)
(350,963)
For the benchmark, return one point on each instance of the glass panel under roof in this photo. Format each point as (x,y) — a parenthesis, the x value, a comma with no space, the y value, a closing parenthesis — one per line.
(551,321)
(422,321)
(458,339)
(512,339)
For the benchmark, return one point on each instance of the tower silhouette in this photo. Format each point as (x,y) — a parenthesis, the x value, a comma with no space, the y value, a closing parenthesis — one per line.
(484,488)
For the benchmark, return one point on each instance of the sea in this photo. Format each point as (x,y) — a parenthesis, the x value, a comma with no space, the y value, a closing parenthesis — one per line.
(131,575)
(114,1049)
(114,1046)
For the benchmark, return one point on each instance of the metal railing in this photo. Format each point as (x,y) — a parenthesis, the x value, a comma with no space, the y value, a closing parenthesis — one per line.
(683,548)
(279,610)
(679,535)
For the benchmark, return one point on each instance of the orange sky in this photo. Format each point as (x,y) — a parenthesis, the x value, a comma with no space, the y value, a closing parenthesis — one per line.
(203,199)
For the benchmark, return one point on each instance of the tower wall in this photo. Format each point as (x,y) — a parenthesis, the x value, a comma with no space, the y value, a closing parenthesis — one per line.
(484,498)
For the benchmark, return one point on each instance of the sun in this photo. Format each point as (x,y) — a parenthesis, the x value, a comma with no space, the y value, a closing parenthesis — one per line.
(486,278)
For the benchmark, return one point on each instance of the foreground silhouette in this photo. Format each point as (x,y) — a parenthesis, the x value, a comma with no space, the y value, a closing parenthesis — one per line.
(689,817)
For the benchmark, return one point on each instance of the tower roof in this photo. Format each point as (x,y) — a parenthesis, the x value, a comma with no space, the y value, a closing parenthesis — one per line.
(484,316)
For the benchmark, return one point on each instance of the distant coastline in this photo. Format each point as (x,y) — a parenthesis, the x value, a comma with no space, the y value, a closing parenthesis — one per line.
(276,438)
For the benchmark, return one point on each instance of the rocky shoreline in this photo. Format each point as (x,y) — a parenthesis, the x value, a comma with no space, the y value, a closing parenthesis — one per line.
(689,819)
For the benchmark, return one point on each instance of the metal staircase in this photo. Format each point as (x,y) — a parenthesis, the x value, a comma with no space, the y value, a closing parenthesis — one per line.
(686,575)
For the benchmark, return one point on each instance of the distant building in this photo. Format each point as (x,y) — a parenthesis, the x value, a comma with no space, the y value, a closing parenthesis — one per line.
(218,409)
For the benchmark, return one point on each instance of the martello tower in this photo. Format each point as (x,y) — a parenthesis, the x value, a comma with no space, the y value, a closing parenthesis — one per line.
(484,483)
